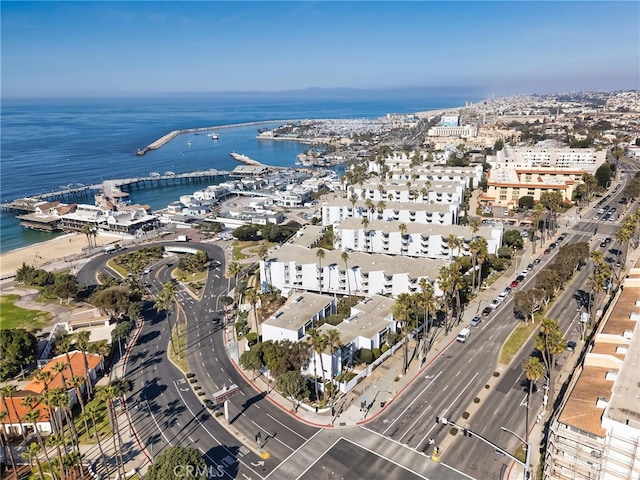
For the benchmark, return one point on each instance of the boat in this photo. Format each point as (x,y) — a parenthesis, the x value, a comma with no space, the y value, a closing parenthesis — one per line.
(213,135)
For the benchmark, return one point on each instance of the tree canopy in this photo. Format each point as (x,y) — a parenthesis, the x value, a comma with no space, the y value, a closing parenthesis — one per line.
(178,462)
(18,347)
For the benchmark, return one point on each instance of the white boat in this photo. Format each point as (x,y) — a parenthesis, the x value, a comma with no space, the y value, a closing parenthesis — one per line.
(213,135)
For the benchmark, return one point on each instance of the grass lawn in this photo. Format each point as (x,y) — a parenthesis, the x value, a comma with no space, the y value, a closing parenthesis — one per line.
(102,423)
(16,317)
(190,277)
(515,341)
(118,268)
(178,338)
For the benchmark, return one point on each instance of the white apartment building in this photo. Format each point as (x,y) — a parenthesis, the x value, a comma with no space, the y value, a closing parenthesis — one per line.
(339,209)
(586,159)
(368,326)
(419,191)
(295,267)
(418,241)
(431,172)
(212,192)
(506,186)
(464,131)
(301,312)
(595,434)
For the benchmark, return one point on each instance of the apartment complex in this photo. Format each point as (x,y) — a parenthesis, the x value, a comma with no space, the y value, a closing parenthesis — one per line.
(548,156)
(595,434)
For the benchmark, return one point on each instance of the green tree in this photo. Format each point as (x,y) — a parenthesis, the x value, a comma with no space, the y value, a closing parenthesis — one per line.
(113,301)
(603,175)
(18,347)
(252,360)
(345,259)
(4,415)
(318,343)
(185,463)
(534,370)
(513,239)
(65,287)
(526,202)
(294,386)
(246,232)
(402,309)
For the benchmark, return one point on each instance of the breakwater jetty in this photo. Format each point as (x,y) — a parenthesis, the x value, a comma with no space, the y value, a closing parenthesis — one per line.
(173,134)
(77,191)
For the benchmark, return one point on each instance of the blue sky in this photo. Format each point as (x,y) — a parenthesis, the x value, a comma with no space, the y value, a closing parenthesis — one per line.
(124,48)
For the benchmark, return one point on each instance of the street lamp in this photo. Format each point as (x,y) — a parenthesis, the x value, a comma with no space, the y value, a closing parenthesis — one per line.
(470,433)
(527,459)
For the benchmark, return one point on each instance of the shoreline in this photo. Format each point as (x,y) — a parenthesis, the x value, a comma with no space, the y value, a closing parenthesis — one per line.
(66,248)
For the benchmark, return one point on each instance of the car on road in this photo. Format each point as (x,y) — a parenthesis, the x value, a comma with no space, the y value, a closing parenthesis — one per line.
(530,267)
(547,251)
(147,271)
(562,237)
(607,240)
(475,321)
(520,278)
(494,303)
(553,245)
(571,345)
(514,284)
(603,244)
(486,311)
(504,293)
(537,261)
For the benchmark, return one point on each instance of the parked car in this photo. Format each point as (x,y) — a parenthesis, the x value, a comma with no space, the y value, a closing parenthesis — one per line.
(530,266)
(537,261)
(514,284)
(494,303)
(547,251)
(475,321)
(520,278)
(607,240)
(571,345)
(603,244)
(486,311)
(504,293)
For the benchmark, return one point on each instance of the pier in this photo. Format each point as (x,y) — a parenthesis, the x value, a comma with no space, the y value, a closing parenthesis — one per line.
(71,193)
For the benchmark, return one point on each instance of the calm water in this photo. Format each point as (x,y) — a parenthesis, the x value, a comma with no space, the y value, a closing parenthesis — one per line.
(47,144)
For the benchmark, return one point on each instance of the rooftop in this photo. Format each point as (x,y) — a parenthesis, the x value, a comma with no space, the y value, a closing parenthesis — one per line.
(425,229)
(298,310)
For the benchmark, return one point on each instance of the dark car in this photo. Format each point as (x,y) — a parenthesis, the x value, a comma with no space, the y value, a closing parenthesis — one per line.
(530,266)
(514,284)
(607,240)
(553,245)
(603,244)
(487,311)
(571,345)
(520,278)
(475,321)
(536,261)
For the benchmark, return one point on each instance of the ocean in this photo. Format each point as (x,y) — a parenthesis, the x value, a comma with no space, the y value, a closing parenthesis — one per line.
(51,143)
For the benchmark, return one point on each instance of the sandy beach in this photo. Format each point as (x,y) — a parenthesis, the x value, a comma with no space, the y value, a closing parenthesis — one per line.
(65,247)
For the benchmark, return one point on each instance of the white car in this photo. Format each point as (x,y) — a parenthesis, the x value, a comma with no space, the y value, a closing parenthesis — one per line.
(495,303)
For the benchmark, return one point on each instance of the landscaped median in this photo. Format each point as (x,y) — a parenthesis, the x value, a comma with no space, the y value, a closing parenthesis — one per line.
(177,353)
(515,341)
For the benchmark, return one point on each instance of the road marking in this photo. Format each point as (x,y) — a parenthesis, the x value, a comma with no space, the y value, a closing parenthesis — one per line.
(457,374)
(412,402)
(272,436)
(292,431)
(443,413)
(414,422)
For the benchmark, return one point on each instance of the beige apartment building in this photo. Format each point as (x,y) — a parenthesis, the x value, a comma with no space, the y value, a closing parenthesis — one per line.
(506,186)
(595,434)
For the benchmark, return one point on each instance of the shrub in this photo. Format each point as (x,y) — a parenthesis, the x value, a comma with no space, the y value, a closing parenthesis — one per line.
(393,338)
(376,353)
(453,431)
(476,400)
(191,375)
(465,415)
(252,338)
(487,386)
(496,374)
(384,347)
(364,355)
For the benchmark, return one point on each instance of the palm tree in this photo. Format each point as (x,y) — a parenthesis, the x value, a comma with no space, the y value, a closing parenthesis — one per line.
(33,417)
(534,370)
(107,395)
(318,343)
(403,234)
(263,253)
(402,310)
(538,213)
(43,377)
(82,342)
(32,453)
(7,392)
(64,345)
(380,206)
(88,230)
(4,415)
(365,225)
(164,302)
(57,440)
(345,259)
(253,298)
(333,342)
(234,270)
(428,303)
(92,411)
(550,342)
(320,254)
(370,206)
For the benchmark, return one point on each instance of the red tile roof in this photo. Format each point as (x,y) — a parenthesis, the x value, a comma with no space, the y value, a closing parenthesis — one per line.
(77,364)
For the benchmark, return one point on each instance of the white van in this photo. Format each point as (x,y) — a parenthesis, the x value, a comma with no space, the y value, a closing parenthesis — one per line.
(463,335)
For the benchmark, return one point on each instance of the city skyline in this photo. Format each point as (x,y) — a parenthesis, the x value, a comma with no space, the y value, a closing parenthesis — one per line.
(52,49)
